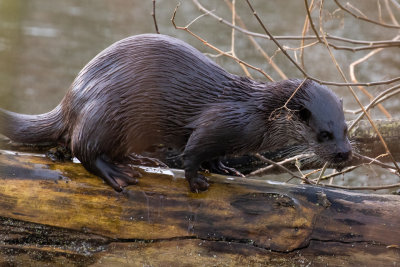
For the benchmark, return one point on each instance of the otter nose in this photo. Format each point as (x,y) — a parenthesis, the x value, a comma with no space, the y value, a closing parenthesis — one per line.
(343,156)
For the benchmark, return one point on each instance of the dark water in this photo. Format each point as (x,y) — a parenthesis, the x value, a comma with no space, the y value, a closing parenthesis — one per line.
(44,44)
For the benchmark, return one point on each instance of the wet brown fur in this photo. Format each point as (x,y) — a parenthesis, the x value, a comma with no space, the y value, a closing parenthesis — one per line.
(153,89)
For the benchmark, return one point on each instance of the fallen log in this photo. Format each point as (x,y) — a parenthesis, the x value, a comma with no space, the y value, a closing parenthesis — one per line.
(60,213)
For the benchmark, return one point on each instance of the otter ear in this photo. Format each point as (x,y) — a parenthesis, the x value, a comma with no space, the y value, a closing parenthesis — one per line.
(305,115)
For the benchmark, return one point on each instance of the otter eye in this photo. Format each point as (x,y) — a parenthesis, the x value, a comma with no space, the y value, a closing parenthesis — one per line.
(324,136)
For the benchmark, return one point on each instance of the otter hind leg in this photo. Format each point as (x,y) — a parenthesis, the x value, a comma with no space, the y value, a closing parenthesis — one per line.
(117,175)
(91,149)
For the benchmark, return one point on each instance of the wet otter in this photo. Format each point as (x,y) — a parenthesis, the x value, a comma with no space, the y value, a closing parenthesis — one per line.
(154,89)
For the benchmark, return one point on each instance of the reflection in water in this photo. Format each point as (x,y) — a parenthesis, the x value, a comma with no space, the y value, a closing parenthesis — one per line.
(149,211)
(39,172)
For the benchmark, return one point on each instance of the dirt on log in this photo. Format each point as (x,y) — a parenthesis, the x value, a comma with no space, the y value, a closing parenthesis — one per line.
(58,213)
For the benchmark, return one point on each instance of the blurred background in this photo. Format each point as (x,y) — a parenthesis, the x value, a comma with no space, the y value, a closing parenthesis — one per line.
(44,43)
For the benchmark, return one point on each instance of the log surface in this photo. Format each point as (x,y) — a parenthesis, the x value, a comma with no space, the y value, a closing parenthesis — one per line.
(59,213)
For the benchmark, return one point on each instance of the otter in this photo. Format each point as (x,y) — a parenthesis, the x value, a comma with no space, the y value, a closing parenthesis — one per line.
(153,89)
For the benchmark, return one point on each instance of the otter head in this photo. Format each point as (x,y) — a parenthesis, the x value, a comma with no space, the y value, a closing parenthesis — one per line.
(322,113)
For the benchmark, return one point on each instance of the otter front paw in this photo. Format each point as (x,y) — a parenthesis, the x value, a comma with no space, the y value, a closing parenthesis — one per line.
(198,183)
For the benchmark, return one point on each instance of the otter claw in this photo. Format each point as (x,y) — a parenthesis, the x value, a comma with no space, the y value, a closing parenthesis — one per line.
(216,166)
(198,184)
(231,171)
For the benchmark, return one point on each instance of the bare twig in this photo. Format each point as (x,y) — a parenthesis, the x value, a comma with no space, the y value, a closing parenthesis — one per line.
(252,40)
(303,33)
(322,172)
(378,99)
(368,160)
(395,3)
(362,48)
(264,170)
(153,14)
(302,70)
(311,21)
(385,94)
(389,10)
(233,8)
(277,111)
(186,28)
(352,65)
(354,79)
(365,18)
(268,36)
(346,170)
(312,172)
(356,9)
(357,99)
(363,187)
(275,41)
(280,167)
(305,180)
(381,97)
(370,44)
(379,11)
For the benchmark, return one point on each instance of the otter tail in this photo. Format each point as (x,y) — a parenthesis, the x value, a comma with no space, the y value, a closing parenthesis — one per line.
(32,129)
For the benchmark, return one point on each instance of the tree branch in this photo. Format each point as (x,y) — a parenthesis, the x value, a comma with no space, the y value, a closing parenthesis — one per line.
(365,18)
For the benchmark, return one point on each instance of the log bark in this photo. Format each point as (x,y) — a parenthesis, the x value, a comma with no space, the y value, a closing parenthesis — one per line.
(58,213)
